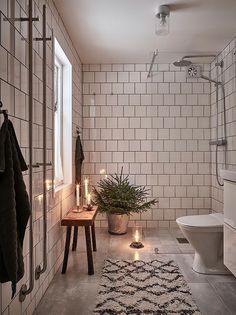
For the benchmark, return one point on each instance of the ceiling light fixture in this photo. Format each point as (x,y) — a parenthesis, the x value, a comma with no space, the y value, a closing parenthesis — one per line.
(162,24)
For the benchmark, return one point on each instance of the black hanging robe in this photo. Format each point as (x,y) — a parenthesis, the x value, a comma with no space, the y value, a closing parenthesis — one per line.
(79,157)
(14,206)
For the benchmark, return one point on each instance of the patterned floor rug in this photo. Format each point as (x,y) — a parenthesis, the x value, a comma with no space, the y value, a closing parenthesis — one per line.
(139,287)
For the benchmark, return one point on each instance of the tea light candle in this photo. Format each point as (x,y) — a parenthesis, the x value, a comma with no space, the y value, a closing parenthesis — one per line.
(137,237)
(77,195)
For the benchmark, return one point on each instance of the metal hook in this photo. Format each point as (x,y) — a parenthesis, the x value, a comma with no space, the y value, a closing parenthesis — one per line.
(78,131)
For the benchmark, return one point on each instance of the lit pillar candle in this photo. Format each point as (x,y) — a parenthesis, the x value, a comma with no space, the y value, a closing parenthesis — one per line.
(88,199)
(77,195)
(86,188)
(136,236)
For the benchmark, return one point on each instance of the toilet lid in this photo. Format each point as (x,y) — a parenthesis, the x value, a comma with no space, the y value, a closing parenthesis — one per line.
(209,220)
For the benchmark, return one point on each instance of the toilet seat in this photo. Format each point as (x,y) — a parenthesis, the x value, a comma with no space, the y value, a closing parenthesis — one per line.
(213,221)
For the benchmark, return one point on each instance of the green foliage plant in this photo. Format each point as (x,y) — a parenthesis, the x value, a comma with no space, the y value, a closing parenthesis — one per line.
(116,195)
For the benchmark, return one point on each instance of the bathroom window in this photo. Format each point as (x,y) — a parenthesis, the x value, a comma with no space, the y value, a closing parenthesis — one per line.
(62,118)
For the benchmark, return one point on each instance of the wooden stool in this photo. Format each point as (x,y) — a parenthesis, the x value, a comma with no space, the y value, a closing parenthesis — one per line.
(86,219)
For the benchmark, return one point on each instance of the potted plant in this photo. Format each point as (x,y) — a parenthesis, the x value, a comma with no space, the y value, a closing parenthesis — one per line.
(118,198)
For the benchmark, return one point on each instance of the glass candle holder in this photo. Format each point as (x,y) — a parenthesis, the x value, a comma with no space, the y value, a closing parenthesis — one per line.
(137,235)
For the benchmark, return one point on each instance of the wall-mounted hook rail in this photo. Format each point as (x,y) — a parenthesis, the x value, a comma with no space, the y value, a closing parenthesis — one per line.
(3,111)
(39,270)
(24,291)
(45,164)
(33,165)
(21,19)
(78,132)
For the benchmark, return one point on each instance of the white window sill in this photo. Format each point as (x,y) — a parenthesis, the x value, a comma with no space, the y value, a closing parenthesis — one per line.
(61,187)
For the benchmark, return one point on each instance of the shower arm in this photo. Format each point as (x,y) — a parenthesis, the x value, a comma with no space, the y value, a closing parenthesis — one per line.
(197,56)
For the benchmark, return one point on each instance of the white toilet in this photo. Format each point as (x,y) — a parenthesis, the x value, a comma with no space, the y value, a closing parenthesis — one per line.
(205,234)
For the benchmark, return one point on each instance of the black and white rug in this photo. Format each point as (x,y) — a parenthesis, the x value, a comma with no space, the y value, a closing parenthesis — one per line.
(139,287)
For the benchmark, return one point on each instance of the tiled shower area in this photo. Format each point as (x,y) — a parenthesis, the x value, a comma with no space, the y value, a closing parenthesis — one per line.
(157,129)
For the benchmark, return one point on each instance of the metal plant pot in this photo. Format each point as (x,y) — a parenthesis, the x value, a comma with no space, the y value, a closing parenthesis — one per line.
(117,223)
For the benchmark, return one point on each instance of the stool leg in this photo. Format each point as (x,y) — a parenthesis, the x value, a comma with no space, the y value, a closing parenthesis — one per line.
(75,237)
(89,251)
(67,247)
(93,238)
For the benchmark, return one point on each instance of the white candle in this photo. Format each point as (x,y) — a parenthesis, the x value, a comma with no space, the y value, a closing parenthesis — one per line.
(86,188)
(136,236)
(89,199)
(47,184)
(77,195)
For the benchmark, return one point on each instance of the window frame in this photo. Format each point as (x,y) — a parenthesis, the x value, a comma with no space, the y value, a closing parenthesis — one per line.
(64,97)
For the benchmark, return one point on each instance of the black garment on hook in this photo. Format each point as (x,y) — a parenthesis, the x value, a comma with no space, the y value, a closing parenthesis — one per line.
(79,157)
(14,206)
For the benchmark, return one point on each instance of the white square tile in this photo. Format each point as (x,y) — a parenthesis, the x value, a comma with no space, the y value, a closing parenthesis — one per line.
(123,122)
(123,100)
(117,67)
(129,135)
(117,134)
(129,67)
(105,88)
(117,88)
(112,122)
(123,145)
(128,88)
(151,88)
(129,112)
(134,77)
(100,77)
(163,88)
(146,100)
(112,77)
(174,88)
(88,77)
(134,100)
(118,111)
(140,88)
(123,77)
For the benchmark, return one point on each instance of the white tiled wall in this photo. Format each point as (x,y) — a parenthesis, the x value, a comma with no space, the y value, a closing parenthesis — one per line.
(227,75)
(158,129)
(14,95)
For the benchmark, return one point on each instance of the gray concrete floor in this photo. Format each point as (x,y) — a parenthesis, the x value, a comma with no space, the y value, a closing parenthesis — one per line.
(74,293)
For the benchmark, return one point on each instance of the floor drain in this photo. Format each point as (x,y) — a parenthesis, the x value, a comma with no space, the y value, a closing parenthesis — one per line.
(156,250)
(182,240)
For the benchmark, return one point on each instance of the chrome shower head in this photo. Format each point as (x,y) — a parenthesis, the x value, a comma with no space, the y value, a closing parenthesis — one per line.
(182,63)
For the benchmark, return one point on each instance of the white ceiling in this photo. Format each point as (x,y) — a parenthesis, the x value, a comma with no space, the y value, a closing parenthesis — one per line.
(123,31)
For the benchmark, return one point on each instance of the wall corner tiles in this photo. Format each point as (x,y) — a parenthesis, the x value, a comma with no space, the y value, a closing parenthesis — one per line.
(227,75)
(14,95)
